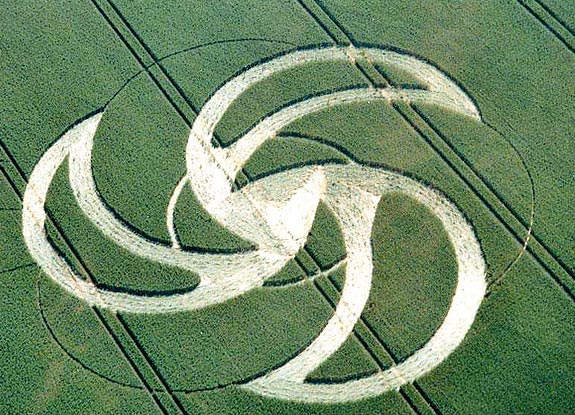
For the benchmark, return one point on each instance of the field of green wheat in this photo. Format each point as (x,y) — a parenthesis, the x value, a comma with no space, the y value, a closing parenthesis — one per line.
(499,151)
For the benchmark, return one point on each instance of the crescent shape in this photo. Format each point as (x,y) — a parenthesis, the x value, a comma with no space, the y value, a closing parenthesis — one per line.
(353,196)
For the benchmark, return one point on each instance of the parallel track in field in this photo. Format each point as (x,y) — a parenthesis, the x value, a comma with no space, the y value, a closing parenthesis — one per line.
(23,179)
(551,21)
(462,167)
(435,139)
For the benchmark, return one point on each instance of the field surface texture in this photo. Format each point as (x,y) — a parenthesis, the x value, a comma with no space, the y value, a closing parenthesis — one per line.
(287,207)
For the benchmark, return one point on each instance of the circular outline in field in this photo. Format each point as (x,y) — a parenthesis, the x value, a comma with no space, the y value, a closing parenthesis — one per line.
(276,214)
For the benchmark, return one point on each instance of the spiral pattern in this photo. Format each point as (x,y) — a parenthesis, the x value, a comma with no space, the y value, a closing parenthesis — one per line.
(276,214)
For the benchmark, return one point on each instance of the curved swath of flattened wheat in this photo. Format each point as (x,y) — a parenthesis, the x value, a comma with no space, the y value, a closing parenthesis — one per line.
(353,200)
(222,275)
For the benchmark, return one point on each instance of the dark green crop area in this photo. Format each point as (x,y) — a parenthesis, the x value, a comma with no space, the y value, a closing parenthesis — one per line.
(153,66)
